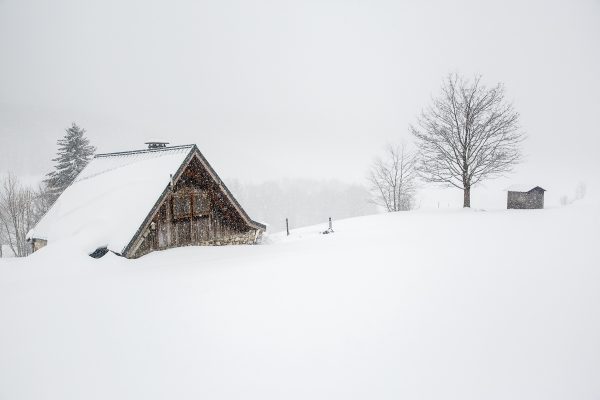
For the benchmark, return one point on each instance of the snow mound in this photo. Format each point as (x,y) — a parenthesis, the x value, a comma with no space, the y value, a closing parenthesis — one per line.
(428,305)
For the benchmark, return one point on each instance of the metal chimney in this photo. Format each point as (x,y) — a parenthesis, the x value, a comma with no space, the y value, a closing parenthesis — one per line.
(156,145)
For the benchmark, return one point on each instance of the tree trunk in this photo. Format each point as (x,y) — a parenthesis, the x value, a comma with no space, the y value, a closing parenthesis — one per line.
(467,197)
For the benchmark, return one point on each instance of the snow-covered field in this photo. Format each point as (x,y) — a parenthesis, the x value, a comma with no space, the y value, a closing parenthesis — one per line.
(420,305)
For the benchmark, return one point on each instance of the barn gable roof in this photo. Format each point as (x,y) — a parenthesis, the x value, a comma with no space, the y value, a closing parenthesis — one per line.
(112,199)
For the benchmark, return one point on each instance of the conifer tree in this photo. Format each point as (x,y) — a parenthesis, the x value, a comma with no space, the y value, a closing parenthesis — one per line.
(74,153)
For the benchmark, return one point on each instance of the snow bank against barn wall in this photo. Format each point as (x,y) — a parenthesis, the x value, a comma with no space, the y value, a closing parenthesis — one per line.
(109,200)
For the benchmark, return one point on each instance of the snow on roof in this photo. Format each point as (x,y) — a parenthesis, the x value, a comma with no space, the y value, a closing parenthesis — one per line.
(524,188)
(110,198)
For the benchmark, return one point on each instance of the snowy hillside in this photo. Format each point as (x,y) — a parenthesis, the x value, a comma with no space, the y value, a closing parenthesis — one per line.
(420,305)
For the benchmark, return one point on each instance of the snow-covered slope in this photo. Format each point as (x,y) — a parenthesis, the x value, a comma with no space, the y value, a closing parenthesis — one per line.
(420,305)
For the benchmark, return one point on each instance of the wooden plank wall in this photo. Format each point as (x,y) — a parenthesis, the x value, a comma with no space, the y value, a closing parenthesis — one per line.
(214,223)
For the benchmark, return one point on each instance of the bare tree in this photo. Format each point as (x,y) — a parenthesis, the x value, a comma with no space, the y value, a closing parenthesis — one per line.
(42,201)
(16,214)
(468,134)
(580,190)
(392,179)
(1,241)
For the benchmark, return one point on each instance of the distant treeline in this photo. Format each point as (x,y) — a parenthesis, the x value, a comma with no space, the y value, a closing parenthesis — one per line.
(303,201)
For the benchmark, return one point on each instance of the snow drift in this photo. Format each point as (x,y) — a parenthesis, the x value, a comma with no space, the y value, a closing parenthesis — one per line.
(427,305)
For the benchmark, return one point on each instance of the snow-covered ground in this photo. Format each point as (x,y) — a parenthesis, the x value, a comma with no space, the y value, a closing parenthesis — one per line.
(420,305)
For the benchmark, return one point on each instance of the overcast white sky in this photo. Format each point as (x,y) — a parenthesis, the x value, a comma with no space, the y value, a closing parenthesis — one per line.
(271,89)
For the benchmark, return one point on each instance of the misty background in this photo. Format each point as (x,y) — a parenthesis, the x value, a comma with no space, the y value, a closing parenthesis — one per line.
(291,101)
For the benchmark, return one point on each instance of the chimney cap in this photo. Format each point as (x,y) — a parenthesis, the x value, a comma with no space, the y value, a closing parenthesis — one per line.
(156,145)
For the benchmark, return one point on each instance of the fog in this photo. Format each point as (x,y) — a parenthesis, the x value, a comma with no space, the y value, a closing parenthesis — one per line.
(304,91)
(302,202)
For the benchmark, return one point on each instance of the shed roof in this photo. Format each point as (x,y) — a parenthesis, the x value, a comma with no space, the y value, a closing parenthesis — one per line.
(111,198)
(523,188)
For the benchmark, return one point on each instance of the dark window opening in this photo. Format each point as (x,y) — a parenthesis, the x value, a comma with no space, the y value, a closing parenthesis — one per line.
(201,204)
(182,207)
(99,252)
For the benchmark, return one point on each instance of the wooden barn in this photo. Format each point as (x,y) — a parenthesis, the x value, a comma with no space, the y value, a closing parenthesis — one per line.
(525,197)
(136,202)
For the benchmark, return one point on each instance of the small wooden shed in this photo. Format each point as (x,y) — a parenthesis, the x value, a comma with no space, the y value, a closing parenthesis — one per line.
(520,197)
(136,202)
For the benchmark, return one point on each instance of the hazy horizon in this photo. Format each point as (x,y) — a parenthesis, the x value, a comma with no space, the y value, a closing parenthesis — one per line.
(285,90)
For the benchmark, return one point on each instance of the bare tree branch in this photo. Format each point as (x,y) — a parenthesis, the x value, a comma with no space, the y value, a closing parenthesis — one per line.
(17,214)
(392,179)
(468,134)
